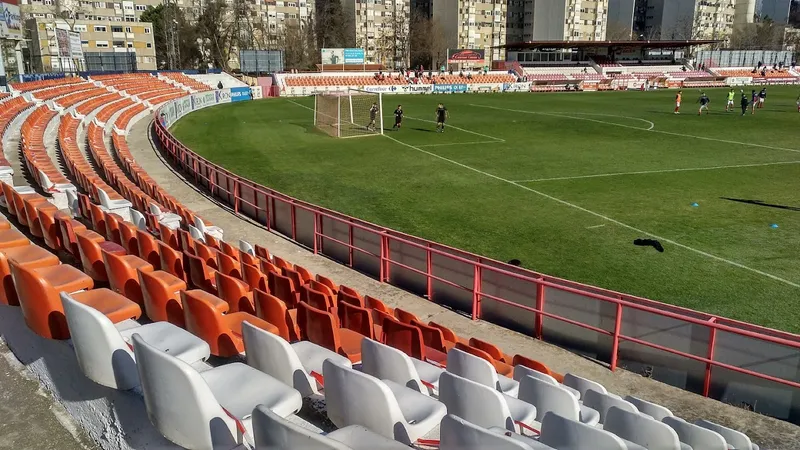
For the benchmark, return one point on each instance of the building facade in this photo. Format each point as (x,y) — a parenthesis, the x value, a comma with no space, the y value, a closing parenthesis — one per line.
(106,45)
(679,19)
(474,24)
(382,29)
(557,20)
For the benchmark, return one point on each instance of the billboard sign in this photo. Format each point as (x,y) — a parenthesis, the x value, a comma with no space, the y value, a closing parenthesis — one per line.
(223,95)
(354,56)
(449,88)
(62,38)
(75,49)
(10,24)
(343,56)
(203,99)
(465,55)
(239,94)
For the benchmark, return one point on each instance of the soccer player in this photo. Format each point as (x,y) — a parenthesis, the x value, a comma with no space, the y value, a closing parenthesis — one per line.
(678,102)
(730,106)
(441,115)
(798,103)
(762,97)
(753,101)
(744,104)
(373,113)
(704,101)
(398,117)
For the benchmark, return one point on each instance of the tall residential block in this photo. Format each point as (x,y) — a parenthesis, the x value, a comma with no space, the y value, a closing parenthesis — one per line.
(381,29)
(679,19)
(474,24)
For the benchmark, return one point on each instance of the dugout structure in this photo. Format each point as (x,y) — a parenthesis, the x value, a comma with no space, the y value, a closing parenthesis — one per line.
(349,114)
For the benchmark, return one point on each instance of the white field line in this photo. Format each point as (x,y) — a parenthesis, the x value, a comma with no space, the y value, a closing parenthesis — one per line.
(652,125)
(459,143)
(688,169)
(725,141)
(600,216)
(495,139)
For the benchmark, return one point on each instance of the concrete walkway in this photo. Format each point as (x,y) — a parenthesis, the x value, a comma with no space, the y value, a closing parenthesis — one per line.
(769,433)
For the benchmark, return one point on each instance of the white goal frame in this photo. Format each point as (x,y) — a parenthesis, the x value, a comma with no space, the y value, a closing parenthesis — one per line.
(344,107)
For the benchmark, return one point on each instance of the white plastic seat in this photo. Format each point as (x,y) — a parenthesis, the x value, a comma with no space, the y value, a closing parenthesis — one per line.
(601,403)
(211,230)
(641,430)
(102,350)
(521,372)
(565,434)
(272,431)
(695,436)
(459,434)
(387,363)
(735,439)
(387,408)
(581,384)
(170,219)
(196,234)
(547,397)
(291,364)
(138,219)
(206,410)
(484,406)
(247,247)
(477,369)
(653,410)
(72,203)
(106,201)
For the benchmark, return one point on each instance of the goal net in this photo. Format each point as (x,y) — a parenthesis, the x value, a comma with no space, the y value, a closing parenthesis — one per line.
(349,114)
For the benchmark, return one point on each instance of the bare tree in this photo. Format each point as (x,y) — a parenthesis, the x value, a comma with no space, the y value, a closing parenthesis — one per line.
(766,35)
(69,11)
(428,42)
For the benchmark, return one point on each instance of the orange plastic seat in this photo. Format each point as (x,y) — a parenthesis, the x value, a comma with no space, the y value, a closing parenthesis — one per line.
(235,292)
(317,299)
(501,367)
(68,227)
(91,254)
(230,250)
(229,265)
(345,297)
(358,319)
(449,335)
(200,275)
(351,292)
(38,291)
(283,288)
(222,332)
(262,252)
(328,282)
(408,339)
(128,238)
(405,316)
(122,274)
(9,198)
(274,311)
(161,296)
(206,253)
(5,225)
(282,263)
(211,241)
(98,218)
(32,207)
(50,228)
(320,327)
(254,277)
(185,242)
(172,261)
(433,337)
(148,248)
(268,267)
(247,258)
(12,238)
(536,365)
(30,256)
(374,303)
(491,349)
(112,227)
(22,212)
(293,275)
(168,236)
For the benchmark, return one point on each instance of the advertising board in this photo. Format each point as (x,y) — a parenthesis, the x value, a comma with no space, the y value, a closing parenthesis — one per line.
(465,55)
(240,94)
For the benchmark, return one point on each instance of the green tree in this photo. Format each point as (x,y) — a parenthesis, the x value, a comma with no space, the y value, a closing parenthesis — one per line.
(211,26)
(169,22)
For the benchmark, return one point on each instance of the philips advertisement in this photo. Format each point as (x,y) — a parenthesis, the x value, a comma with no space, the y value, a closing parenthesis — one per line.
(449,88)
(240,94)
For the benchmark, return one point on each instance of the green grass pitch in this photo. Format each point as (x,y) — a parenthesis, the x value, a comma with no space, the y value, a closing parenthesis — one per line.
(563,182)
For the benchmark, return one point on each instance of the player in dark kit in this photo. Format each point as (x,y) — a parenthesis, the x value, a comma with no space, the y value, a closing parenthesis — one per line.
(744,103)
(441,116)
(373,113)
(398,117)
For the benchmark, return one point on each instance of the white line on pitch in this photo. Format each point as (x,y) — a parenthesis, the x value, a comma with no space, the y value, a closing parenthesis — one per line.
(725,141)
(642,172)
(459,143)
(460,129)
(598,215)
(595,226)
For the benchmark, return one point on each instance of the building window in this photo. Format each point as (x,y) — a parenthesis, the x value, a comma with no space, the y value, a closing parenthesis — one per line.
(101,44)
(100,29)
(146,30)
(116,29)
(80,28)
(141,7)
(84,43)
(118,44)
(149,45)
(128,30)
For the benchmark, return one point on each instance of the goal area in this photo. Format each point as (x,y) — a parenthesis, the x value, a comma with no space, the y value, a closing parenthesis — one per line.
(353,113)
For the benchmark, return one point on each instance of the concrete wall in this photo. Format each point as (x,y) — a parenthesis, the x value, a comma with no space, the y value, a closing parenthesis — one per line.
(548,20)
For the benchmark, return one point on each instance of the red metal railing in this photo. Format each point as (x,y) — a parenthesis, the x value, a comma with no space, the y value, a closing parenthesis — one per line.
(264,201)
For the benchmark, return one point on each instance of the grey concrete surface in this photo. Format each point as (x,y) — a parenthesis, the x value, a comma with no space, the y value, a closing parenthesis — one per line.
(29,416)
(769,433)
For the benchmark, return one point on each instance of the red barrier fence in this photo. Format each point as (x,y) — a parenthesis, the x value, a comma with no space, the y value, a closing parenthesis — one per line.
(722,358)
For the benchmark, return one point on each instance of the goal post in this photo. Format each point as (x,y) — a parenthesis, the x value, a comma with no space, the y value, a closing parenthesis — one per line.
(353,113)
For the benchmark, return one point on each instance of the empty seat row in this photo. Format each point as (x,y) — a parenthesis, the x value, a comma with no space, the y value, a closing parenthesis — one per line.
(186,81)
(42,84)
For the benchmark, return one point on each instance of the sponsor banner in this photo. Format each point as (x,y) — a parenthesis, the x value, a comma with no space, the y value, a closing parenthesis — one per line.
(739,81)
(256,92)
(10,24)
(517,87)
(75,48)
(203,99)
(167,115)
(183,106)
(465,55)
(354,56)
(343,56)
(223,95)
(62,38)
(449,88)
(240,94)
(485,87)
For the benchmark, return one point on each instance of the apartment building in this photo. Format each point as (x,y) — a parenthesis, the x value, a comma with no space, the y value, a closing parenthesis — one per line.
(557,20)
(106,45)
(474,24)
(382,29)
(680,19)
(748,11)
(114,11)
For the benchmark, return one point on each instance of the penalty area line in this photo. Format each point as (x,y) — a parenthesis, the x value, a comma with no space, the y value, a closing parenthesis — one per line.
(459,143)
(495,139)
(600,216)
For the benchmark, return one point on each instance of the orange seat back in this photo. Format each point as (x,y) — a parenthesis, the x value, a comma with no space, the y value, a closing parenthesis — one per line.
(491,349)
(112,227)
(128,238)
(357,319)
(172,261)
(405,316)
(122,276)
(345,297)
(254,277)
(432,336)
(204,321)
(273,310)
(536,365)
(317,299)
(147,248)
(318,326)
(50,229)
(228,265)
(160,304)
(199,274)
(283,288)
(404,337)
(91,257)
(40,303)
(235,292)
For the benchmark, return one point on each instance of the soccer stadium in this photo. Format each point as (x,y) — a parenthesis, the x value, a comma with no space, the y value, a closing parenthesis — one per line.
(551,241)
